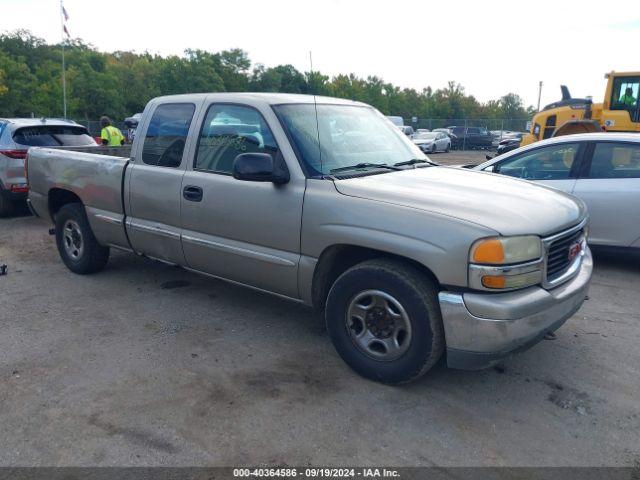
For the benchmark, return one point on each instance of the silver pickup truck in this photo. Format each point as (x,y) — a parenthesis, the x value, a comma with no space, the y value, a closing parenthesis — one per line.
(325,202)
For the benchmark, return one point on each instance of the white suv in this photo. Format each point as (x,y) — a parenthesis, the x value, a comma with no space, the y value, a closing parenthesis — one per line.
(16,136)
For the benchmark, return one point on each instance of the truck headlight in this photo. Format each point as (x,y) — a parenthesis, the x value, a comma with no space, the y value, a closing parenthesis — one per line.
(505,263)
(506,250)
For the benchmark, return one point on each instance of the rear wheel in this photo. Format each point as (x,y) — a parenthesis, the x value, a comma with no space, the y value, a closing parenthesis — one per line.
(446,150)
(384,320)
(77,245)
(433,148)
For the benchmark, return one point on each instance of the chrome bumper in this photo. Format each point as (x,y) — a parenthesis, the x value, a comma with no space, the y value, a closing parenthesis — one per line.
(481,328)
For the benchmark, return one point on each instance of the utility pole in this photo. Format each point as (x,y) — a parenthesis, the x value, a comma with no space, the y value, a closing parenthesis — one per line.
(539,93)
(64,80)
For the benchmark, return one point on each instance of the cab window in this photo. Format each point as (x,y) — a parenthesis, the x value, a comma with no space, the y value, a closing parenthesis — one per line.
(615,160)
(547,163)
(167,134)
(228,131)
(549,126)
(625,95)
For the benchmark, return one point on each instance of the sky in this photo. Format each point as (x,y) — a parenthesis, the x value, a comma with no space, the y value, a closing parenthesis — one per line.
(491,47)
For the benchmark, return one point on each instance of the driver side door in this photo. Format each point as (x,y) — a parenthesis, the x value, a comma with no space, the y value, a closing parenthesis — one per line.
(555,165)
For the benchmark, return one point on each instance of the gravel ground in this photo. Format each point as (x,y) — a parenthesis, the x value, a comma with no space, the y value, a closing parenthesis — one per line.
(145,364)
(459,157)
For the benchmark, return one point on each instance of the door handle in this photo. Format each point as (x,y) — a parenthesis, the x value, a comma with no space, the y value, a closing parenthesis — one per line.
(192,193)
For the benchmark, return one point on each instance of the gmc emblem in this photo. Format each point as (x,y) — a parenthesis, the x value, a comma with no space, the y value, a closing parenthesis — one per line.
(574,250)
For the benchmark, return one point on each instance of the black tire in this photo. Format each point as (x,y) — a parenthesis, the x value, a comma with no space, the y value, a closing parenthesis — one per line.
(446,150)
(6,206)
(417,295)
(92,257)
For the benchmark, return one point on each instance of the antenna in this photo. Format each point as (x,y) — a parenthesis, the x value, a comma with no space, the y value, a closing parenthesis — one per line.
(315,106)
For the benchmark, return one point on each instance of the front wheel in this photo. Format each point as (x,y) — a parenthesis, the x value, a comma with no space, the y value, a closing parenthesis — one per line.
(77,245)
(384,320)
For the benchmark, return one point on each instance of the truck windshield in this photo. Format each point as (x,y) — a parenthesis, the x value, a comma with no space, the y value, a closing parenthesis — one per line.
(344,135)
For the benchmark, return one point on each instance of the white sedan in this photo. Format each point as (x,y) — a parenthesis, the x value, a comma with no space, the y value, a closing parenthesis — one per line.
(602,169)
(432,142)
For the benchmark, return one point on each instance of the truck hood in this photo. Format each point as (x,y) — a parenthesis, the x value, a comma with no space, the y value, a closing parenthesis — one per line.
(503,204)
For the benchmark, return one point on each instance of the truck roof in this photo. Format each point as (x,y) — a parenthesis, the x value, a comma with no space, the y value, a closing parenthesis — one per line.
(267,98)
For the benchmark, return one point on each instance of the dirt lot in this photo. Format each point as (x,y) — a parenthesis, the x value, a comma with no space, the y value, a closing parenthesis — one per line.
(145,364)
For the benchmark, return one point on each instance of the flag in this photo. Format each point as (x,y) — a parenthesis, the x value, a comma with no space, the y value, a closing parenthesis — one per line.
(65,18)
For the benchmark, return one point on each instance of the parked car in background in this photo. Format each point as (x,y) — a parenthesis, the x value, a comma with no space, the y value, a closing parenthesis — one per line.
(397,121)
(407,130)
(432,142)
(16,136)
(422,130)
(367,230)
(602,169)
(510,142)
(450,134)
(132,124)
(472,137)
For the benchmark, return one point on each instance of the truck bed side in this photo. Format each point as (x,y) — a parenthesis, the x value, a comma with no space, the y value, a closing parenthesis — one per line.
(61,176)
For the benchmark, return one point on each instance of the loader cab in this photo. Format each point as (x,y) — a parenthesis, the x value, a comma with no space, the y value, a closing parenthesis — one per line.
(623,94)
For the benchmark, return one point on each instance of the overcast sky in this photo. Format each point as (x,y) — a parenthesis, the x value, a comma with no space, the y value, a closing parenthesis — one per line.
(490,47)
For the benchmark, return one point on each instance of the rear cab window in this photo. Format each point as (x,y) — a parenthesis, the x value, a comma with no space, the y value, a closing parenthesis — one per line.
(166,135)
(53,136)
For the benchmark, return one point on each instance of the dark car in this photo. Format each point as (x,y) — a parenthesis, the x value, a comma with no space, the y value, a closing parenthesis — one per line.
(510,142)
(472,137)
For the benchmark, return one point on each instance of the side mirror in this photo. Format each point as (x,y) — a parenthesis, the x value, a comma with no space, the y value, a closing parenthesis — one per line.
(260,167)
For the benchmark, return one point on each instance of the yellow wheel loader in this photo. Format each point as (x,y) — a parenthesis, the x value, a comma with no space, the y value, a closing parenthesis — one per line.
(619,112)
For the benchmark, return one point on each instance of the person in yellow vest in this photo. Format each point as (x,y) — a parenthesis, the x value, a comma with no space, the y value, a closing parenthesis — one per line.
(110,135)
(628,99)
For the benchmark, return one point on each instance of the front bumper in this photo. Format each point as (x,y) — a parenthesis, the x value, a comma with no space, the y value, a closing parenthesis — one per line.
(482,328)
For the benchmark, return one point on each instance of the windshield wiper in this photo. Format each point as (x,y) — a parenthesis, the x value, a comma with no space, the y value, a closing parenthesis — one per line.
(363,165)
(415,161)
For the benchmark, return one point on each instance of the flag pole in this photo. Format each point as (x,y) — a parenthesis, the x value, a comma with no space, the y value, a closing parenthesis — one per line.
(64,80)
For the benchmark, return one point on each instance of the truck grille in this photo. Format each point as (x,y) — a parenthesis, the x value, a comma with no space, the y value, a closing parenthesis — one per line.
(558,260)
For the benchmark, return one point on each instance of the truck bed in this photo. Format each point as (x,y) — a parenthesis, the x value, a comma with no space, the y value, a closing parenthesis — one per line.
(95,178)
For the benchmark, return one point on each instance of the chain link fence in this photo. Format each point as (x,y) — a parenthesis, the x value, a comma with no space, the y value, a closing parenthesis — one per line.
(94,126)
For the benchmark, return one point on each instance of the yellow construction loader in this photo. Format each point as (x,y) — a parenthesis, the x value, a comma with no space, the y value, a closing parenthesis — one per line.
(619,112)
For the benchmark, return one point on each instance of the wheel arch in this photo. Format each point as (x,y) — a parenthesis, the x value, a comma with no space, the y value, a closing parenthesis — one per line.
(58,198)
(337,259)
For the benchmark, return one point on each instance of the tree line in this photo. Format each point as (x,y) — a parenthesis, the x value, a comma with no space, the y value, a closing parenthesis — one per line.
(119,84)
